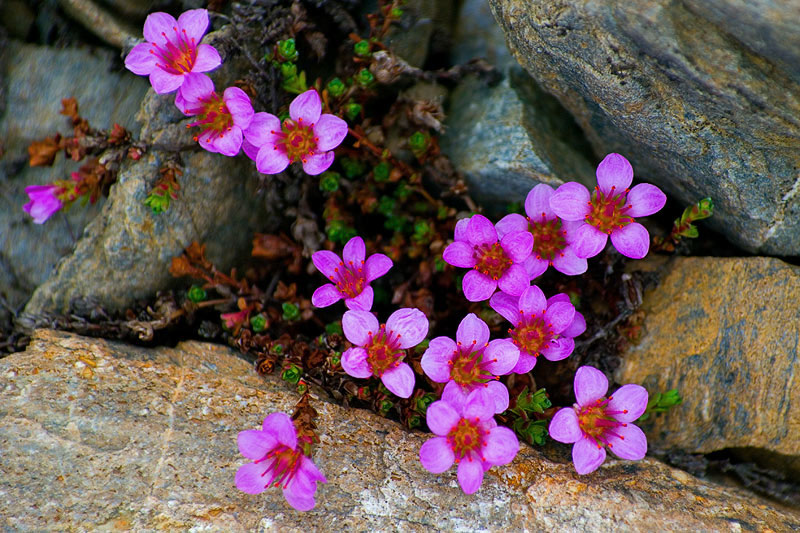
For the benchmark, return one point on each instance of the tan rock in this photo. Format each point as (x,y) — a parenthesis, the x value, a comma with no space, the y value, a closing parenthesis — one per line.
(100,435)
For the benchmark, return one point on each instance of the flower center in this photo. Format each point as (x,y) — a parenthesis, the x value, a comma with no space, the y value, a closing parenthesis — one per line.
(491,260)
(284,465)
(532,334)
(214,116)
(465,438)
(468,367)
(178,54)
(382,352)
(598,422)
(297,140)
(548,238)
(351,279)
(607,213)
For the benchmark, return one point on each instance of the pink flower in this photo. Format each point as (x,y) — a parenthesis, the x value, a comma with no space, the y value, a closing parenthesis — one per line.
(494,263)
(471,362)
(351,277)
(610,210)
(379,349)
(44,202)
(596,421)
(278,461)
(552,237)
(541,326)
(307,136)
(467,435)
(222,118)
(173,50)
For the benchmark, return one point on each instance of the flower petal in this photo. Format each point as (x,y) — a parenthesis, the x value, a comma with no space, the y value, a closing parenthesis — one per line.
(195,22)
(140,61)
(436,455)
(306,106)
(589,241)
(455,395)
(317,163)
(330,131)
(559,349)
(501,447)
(163,82)
(354,362)
(480,404)
(263,129)
(535,267)
(577,327)
(481,230)
(525,363)
(376,266)
(571,201)
(435,360)
(255,444)
(299,499)
(501,356)
(441,417)
(250,478)
(248,148)
(587,456)
(207,59)
(326,295)
(459,254)
(517,245)
(629,443)
(362,301)
(499,395)
(532,301)
(280,426)
(511,224)
(328,263)
(271,160)
(470,475)
(460,233)
(477,286)
(506,306)
(570,264)
(409,325)
(239,106)
(515,280)
(229,143)
(614,172)
(195,88)
(359,326)
(564,426)
(631,241)
(158,26)
(645,199)
(590,385)
(537,203)
(399,380)
(355,251)
(631,399)
(472,331)
(559,315)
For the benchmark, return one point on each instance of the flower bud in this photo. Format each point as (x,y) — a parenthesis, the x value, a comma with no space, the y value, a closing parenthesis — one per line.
(287,50)
(361,48)
(336,87)
(196,294)
(291,374)
(365,78)
(258,323)
(290,311)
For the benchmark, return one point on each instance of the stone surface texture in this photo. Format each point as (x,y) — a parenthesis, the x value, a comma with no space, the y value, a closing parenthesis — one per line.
(100,435)
(724,332)
(702,96)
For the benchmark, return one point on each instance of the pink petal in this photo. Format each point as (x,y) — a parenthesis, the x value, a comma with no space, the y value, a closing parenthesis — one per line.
(196,87)
(472,331)
(560,297)
(499,395)
(263,129)
(568,263)
(399,380)
(537,203)
(590,385)
(589,241)
(328,263)
(459,254)
(318,163)
(506,306)
(271,160)
(249,149)
(163,82)
(355,251)
(310,470)
(140,61)
(326,295)
(359,326)
(479,404)
(645,199)
(461,230)
(330,131)
(587,456)
(436,455)
(535,267)
(255,444)
(238,103)
(481,230)
(502,446)
(511,224)
(577,327)
(281,427)
(409,325)
(250,479)
(376,266)
(207,59)
(631,241)
(195,22)
(441,417)
(354,362)
(631,443)
(614,171)
(517,245)
(206,141)
(571,201)
(306,106)
(502,356)
(532,301)
(157,24)
(470,475)
(564,426)
(436,358)
(559,349)
(229,143)
(478,287)
(559,315)
(362,301)
(515,280)
(570,227)
(455,395)
(525,363)
(300,500)
(631,398)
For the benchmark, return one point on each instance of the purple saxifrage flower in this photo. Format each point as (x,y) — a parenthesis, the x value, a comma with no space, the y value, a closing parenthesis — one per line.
(494,262)
(467,434)
(471,362)
(541,326)
(351,277)
(222,118)
(44,202)
(596,421)
(552,237)
(380,348)
(610,210)
(173,50)
(278,460)
(307,136)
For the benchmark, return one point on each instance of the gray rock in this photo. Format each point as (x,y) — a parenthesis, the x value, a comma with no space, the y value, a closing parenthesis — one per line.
(424,22)
(100,435)
(692,104)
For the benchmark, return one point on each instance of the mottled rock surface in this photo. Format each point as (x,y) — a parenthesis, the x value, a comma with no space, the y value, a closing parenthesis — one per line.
(696,94)
(103,435)
(724,332)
